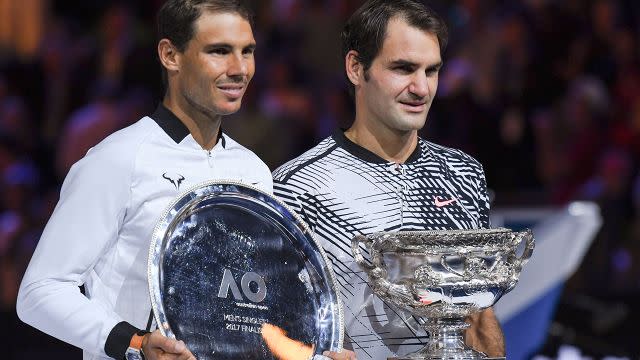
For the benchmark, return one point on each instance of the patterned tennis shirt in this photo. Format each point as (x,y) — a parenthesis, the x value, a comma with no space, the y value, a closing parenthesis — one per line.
(341,190)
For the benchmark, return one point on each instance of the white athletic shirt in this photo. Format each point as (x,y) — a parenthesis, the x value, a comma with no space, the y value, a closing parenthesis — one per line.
(101,228)
(342,190)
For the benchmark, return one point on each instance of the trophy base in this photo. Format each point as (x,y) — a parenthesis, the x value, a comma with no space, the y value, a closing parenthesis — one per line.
(447,357)
(446,342)
(435,355)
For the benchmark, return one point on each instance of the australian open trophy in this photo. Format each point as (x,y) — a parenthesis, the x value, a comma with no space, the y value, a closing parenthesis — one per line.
(444,276)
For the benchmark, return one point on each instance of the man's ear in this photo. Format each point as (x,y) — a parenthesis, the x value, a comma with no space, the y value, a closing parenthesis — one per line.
(168,55)
(353,67)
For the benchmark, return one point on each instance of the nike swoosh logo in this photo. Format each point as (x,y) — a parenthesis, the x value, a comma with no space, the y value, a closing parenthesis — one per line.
(441,203)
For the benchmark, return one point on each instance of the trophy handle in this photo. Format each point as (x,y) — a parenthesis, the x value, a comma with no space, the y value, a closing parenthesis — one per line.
(377,272)
(445,264)
(519,261)
(527,236)
(357,253)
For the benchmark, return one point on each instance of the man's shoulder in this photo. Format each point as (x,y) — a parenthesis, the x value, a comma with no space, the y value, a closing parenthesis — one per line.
(451,156)
(113,158)
(128,136)
(121,147)
(244,153)
(300,165)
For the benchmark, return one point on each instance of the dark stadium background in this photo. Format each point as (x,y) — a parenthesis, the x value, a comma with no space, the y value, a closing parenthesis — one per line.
(546,94)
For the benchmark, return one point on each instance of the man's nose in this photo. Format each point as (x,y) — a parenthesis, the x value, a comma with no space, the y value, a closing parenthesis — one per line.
(420,86)
(238,65)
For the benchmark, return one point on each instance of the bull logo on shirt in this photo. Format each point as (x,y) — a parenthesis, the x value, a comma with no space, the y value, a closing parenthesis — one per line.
(175,179)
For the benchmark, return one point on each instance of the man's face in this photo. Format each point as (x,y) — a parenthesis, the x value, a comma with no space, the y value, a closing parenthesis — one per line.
(401,83)
(217,64)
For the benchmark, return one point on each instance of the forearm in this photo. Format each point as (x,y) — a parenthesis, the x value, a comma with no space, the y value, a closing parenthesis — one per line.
(80,233)
(485,333)
(60,310)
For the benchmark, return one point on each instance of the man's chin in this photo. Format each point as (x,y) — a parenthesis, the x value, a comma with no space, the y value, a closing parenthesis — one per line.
(411,123)
(229,109)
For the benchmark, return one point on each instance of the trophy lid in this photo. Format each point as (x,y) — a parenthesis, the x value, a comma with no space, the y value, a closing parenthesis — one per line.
(226,260)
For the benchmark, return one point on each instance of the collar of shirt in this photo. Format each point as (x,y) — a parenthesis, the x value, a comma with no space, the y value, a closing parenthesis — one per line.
(176,130)
(366,155)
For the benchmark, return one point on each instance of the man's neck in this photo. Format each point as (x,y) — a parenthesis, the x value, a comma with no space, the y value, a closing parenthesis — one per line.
(202,127)
(393,146)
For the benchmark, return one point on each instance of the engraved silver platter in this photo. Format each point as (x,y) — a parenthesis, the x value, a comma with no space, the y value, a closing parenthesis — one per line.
(236,274)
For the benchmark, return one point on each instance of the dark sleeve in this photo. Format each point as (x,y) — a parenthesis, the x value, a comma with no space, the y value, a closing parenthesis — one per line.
(119,339)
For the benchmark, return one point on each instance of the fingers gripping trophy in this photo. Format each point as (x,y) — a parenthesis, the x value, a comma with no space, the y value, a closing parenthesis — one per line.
(444,276)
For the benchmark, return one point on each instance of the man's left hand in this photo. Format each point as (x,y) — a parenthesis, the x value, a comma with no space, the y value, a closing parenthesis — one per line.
(485,333)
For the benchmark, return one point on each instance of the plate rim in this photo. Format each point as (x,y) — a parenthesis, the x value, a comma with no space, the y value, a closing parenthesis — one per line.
(173,210)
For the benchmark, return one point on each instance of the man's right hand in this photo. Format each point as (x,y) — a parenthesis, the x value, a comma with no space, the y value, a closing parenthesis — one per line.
(156,346)
(343,355)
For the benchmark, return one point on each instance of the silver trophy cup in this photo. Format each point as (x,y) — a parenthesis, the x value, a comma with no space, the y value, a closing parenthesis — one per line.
(444,276)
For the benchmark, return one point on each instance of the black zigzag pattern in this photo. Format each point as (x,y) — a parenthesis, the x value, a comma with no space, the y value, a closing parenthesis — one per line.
(341,195)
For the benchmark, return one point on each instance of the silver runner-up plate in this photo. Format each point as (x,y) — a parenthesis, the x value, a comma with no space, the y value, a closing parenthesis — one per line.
(235,274)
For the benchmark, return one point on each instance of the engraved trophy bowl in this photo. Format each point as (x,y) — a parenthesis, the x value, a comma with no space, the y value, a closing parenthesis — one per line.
(235,274)
(444,276)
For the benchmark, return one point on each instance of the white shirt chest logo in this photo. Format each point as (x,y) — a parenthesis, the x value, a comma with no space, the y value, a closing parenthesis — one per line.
(174,178)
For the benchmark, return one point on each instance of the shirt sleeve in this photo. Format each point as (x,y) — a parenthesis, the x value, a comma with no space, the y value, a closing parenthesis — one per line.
(483,201)
(266,182)
(297,200)
(82,230)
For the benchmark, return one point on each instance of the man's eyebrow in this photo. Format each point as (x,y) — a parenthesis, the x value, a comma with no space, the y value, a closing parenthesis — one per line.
(227,46)
(401,62)
(218,46)
(435,66)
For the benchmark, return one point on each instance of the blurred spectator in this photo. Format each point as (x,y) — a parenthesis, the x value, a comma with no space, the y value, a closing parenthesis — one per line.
(284,99)
(320,50)
(610,187)
(605,20)
(16,124)
(3,87)
(18,234)
(585,110)
(631,246)
(548,138)
(21,26)
(60,65)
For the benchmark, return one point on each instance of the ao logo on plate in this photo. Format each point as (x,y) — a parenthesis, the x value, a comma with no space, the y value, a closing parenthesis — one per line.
(229,283)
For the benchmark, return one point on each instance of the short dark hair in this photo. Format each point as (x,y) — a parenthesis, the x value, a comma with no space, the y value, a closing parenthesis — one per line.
(176,19)
(366,30)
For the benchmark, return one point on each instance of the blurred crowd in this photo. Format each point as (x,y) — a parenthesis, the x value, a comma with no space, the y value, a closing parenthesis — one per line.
(545,93)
